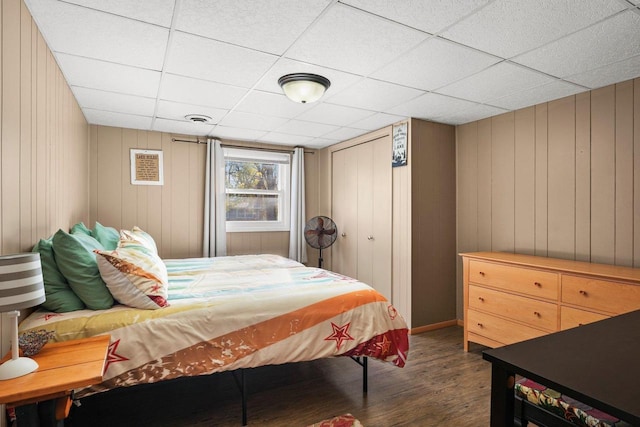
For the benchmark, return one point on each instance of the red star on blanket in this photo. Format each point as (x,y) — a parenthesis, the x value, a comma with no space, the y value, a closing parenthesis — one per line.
(384,345)
(112,356)
(340,334)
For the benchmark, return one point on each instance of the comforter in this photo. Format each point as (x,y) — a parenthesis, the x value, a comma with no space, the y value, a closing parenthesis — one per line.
(228,313)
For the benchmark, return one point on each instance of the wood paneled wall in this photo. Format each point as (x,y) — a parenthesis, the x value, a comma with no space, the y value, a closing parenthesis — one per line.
(172,213)
(433,228)
(43,141)
(559,179)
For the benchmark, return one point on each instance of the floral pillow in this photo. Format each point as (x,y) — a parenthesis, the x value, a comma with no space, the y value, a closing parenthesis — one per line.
(135,275)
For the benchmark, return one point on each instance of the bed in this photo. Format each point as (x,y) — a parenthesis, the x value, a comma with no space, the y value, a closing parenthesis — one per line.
(231,313)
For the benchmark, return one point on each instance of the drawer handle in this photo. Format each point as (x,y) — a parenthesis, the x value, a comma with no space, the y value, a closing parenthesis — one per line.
(480,324)
(537,314)
(481,299)
(481,273)
(583,292)
(538,284)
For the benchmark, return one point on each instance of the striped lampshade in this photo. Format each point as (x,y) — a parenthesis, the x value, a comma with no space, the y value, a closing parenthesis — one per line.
(20,281)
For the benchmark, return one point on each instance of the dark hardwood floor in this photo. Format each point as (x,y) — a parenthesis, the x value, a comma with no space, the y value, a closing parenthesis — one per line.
(440,385)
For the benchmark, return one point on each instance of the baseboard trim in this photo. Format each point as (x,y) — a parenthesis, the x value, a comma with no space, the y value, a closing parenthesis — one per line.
(434,326)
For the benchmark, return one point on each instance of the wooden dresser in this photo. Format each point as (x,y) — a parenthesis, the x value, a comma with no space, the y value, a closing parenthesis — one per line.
(511,297)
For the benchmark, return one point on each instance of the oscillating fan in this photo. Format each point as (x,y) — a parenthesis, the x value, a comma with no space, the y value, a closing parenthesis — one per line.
(320,232)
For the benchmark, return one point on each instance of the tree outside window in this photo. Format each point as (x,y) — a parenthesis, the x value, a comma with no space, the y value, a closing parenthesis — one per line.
(256,190)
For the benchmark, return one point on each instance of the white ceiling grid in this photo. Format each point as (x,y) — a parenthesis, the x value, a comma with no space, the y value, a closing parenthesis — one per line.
(146,64)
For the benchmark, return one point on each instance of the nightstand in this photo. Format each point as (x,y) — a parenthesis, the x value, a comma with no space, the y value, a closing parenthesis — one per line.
(63,367)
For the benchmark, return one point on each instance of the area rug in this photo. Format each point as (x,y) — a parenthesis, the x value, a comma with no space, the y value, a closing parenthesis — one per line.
(345,420)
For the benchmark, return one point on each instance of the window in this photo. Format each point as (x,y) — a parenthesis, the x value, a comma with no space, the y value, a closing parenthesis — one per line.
(257,190)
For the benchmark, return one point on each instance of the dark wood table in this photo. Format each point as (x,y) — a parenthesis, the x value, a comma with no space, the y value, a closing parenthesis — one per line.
(597,364)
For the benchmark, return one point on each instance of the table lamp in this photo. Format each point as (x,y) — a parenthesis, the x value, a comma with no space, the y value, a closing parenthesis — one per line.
(20,287)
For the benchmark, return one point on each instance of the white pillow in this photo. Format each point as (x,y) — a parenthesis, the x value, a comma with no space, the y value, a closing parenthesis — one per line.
(134,275)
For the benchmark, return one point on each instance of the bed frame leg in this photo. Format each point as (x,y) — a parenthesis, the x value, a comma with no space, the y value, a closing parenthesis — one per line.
(362,361)
(244,397)
(365,375)
(242,385)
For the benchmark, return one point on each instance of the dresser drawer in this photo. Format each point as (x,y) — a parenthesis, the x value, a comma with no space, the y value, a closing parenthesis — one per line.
(533,312)
(540,284)
(498,329)
(600,295)
(572,317)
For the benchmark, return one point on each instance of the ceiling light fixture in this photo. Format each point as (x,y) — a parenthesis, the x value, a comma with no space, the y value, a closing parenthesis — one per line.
(304,87)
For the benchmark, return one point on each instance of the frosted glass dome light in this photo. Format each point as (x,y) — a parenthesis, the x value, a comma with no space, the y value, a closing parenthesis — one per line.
(304,87)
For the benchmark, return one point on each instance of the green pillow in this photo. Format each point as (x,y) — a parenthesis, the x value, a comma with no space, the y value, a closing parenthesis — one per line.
(59,296)
(80,228)
(107,236)
(77,262)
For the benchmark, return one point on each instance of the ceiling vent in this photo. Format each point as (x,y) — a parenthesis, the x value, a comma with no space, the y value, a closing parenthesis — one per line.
(198,118)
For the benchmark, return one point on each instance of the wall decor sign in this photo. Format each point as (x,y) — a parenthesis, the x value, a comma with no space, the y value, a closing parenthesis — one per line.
(400,145)
(146,167)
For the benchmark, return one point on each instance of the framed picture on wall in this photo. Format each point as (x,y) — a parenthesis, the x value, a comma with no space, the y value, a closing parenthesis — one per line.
(146,167)
(400,145)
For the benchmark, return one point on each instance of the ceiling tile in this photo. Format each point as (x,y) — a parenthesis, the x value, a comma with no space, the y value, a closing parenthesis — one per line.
(115,102)
(427,15)
(344,134)
(207,59)
(537,95)
(178,111)
(612,73)
(509,27)
(610,41)
(299,127)
(181,127)
(339,80)
(85,32)
(431,106)
(354,41)
(266,26)
(332,114)
(252,121)
(373,95)
(236,133)
(160,14)
(495,82)
(477,112)
(319,143)
(284,139)
(200,92)
(278,105)
(108,76)
(377,121)
(435,63)
(108,118)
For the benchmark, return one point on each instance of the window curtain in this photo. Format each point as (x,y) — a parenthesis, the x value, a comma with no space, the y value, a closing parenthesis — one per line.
(215,233)
(297,243)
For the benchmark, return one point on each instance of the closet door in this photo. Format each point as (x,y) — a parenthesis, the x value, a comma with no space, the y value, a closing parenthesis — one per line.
(344,251)
(361,208)
(364,199)
(381,189)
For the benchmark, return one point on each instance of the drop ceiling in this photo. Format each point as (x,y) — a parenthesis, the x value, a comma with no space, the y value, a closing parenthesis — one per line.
(147,64)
